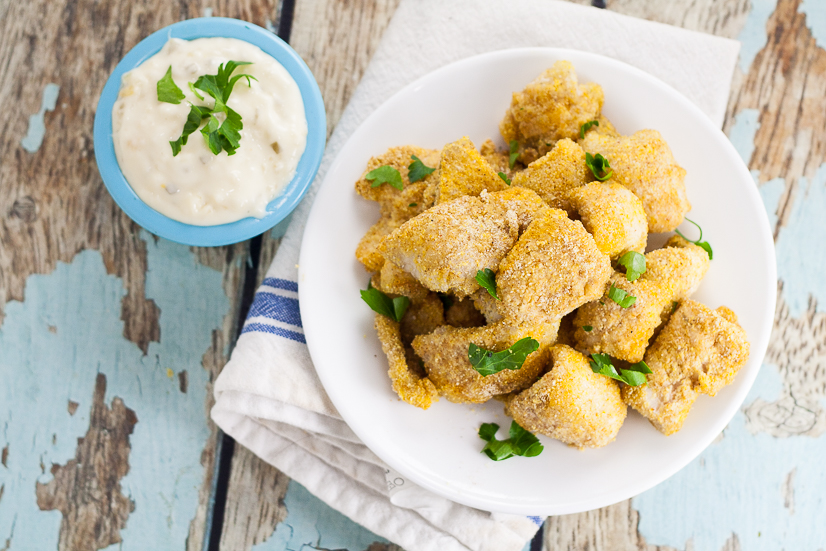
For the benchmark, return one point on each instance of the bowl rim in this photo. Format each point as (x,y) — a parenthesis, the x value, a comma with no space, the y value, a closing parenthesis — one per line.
(277,209)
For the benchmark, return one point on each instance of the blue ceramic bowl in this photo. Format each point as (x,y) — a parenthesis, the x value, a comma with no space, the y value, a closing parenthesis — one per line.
(278,208)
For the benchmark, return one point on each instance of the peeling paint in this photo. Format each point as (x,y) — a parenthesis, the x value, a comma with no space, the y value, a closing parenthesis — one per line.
(753,37)
(207,12)
(815,11)
(37,125)
(787,491)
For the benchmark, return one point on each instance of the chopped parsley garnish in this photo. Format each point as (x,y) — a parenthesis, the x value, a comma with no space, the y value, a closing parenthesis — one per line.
(385,175)
(505,178)
(703,244)
(621,297)
(487,279)
(514,152)
(633,375)
(412,204)
(634,263)
(219,136)
(168,91)
(418,170)
(487,362)
(585,127)
(393,308)
(599,166)
(521,442)
(587,328)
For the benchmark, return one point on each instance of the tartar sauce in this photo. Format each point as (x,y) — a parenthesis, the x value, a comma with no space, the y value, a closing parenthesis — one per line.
(197,187)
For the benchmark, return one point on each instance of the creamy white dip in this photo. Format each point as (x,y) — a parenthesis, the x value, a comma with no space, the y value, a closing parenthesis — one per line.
(196,186)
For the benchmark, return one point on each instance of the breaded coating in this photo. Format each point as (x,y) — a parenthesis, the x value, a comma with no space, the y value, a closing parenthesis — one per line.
(415,390)
(422,317)
(624,333)
(498,160)
(613,215)
(445,355)
(463,313)
(445,246)
(571,403)
(396,206)
(487,305)
(644,164)
(556,173)
(604,127)
(465,172)
(700,350)
(393,280)
(554,268)
(549,109)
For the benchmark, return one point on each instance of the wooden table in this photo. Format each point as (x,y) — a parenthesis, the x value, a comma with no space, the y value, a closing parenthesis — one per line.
(111,338)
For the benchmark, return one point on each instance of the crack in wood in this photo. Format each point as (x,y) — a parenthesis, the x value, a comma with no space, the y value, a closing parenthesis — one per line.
(86,490)
(4,456)
(72,407)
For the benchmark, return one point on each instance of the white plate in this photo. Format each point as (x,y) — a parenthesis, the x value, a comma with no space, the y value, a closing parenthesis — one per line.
(439,448)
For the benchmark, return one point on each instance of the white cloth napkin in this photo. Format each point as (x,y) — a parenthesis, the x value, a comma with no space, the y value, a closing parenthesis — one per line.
(269,398)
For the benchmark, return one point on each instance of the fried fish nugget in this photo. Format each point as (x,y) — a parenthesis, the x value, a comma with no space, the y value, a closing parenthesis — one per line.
(549,109)
(445,356)
(444,247)
(413,389)
(700,350)
(644,164)
(463,313)
(393,280)
(498,160)
(367,251)
(571,403)
(624,333)
(556,173)
(465,172)
(554,268)
(613,215)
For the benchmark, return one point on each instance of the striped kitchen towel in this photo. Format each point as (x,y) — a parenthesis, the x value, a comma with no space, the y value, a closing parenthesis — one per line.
(268,396)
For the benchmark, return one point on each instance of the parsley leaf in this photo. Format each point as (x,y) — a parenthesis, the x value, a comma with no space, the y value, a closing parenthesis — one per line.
(703,244)
(382,304)
(412,205)
(585,127)
(514,152)
(521,442)
(587,328)
(505,178)
(487,362)
(195,91)
(196,115)
(385,175)
(634,263)
(621,297)
(599,166)
(168,91)
(633,375)
(418,170)
(487,279)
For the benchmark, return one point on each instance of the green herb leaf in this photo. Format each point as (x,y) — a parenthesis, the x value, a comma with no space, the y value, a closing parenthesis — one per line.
(634,263)
(521,442)
(587,328)
(168,91)
(505,178)
(703,244)
(382,304)
(621,297)
(412,204)
(385,175)
(487,362)
(487,279)
(195,91)
(417,170)
(585,127)
(196,115)
(640,367)
(599,166)
(514,152)
(633,375)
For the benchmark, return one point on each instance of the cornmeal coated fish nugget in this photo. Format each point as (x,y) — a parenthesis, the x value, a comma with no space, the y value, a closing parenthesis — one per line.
(396,206)
(393,280)
(570,402)
(613,215)
(700,350)
(555,174)
(554,268)
(487,305)
(463,313)
(445,356)
(672,273)
(463,171)
(413,389)
(498,160)
(549,109)
(445,246)
(644,164)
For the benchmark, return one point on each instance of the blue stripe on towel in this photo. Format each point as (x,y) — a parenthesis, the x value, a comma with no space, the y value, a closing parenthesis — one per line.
(264,328)
(280,284)
(275,307)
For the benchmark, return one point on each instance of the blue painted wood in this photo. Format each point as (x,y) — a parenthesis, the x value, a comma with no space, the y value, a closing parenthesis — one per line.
(55,343)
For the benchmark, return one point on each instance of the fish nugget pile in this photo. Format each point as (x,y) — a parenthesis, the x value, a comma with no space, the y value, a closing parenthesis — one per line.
(549,230)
